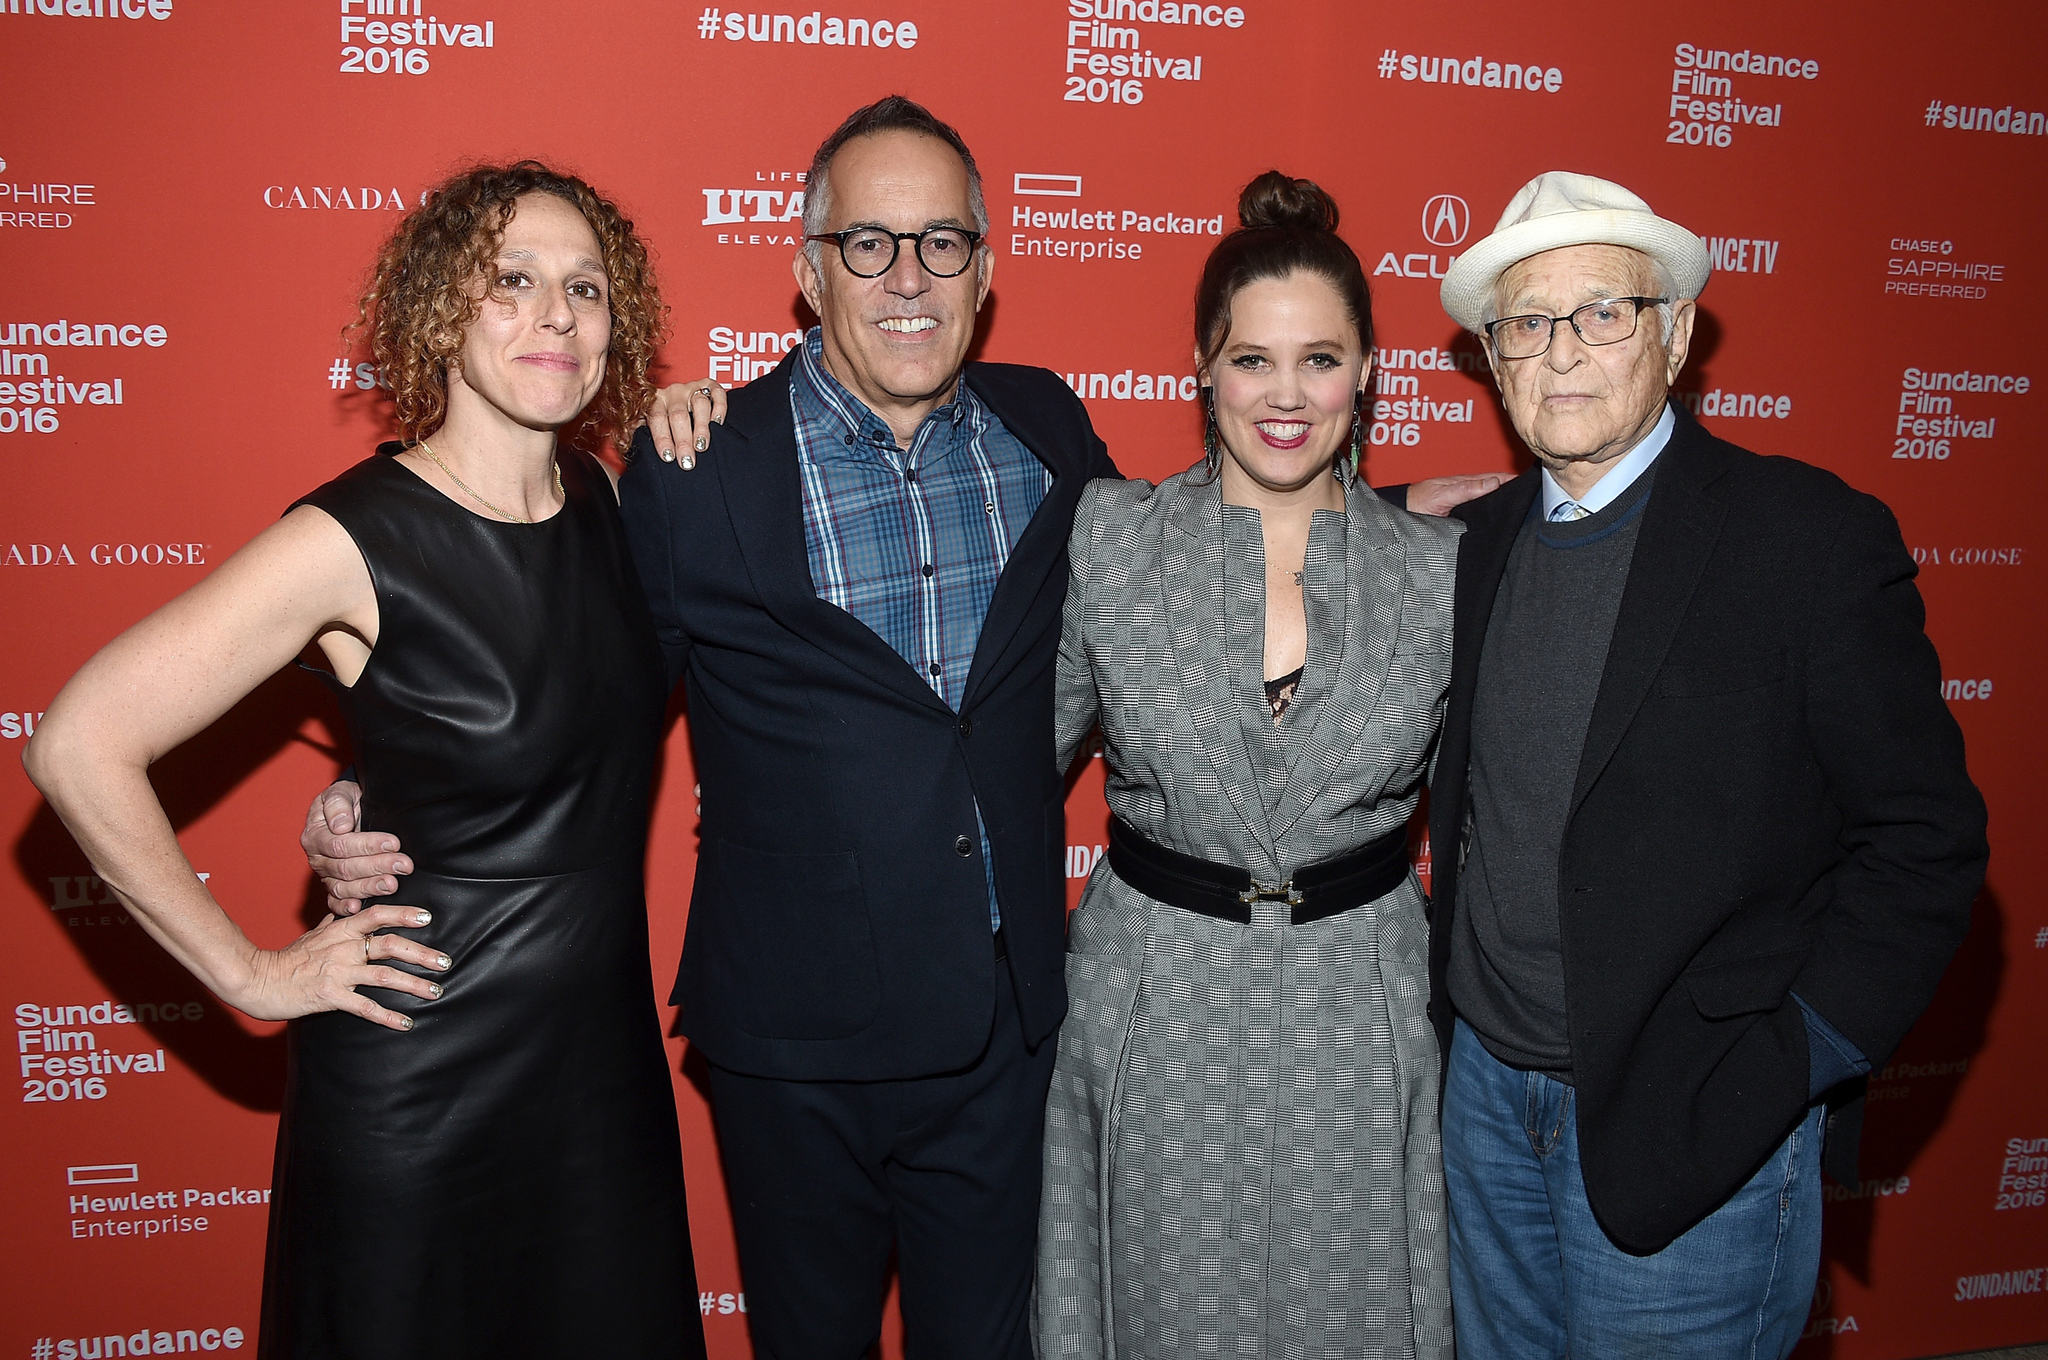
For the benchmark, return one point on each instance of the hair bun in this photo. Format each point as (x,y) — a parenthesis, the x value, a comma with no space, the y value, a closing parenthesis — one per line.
(1277,200)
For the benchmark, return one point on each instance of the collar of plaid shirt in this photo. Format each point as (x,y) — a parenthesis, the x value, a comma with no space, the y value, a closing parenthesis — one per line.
(858,433)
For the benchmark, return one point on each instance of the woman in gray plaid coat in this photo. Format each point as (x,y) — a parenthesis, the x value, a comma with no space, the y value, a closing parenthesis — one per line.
(1241,1144)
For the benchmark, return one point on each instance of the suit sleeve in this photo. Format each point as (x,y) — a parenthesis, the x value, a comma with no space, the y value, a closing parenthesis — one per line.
(1913,825)
(650,537)
(1076,706)
(1099,463)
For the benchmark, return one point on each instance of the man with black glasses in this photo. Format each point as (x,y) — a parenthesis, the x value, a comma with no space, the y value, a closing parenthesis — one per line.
(862,589)
(1704,840)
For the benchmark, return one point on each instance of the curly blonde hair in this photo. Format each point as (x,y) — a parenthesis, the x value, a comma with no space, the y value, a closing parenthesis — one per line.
(422,295)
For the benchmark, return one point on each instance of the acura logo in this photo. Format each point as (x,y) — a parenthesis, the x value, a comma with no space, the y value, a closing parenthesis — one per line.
(1445,220)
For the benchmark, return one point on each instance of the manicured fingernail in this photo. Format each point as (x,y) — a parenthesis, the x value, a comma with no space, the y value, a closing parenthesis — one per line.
(422,917)
(668,455)
(689,463)
(405,1022)
(435,988)
(701,443)
(441,962)
(404,866)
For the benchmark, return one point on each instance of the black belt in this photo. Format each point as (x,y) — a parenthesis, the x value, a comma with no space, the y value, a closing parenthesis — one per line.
(1227,892)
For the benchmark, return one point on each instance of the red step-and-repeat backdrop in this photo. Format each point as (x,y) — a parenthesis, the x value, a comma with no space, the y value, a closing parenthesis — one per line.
(193,189)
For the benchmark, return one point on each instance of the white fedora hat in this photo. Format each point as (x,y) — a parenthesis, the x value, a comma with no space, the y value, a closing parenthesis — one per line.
(1559,208)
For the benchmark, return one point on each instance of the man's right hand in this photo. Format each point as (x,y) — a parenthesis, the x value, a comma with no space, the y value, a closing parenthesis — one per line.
(351,865)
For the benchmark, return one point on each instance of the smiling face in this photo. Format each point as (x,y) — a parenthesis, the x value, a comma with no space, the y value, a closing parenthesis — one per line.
(1285,384)
(1578,406)
(897,341)
(535,354)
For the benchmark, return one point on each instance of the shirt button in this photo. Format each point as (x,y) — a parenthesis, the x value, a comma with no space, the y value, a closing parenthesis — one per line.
(910,474)
(927,569)
(849,439)
(962,846)
(935,668)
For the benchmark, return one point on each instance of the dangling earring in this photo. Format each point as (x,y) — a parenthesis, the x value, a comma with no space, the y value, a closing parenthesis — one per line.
(1212,448)
(1357,435)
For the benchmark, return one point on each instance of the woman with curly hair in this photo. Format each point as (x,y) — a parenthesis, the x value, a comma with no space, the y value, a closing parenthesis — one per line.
(479,1153)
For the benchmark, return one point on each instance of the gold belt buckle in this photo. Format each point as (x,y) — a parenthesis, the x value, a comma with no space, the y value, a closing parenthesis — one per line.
(1262,892)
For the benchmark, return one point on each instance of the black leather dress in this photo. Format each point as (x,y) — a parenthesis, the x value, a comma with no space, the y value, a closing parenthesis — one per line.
(505,1179)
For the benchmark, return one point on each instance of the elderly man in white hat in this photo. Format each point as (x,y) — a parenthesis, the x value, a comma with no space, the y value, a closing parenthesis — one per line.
(1704,836)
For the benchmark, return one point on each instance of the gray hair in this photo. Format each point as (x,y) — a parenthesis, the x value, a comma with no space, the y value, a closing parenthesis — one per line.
(893,113)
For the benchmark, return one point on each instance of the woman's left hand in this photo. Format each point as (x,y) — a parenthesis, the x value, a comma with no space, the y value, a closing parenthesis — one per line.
(682,416)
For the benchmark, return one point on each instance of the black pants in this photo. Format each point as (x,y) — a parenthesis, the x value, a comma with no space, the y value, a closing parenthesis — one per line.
(825,1176)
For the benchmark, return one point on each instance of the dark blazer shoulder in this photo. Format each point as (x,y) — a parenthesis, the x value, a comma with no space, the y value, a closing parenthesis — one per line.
(1037,406)
(1024,382)
(1772,484)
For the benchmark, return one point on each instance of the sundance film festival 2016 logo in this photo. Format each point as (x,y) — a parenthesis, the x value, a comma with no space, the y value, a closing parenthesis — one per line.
(739,356)
(63,1059)
(1929,420)
(31,396)
(1707,105)
(1110,57)
(398,37)
(2023,1174)
(816,29)
(1400,407)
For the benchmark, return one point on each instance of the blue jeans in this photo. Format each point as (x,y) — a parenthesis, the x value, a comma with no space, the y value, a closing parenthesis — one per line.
(1533,1277)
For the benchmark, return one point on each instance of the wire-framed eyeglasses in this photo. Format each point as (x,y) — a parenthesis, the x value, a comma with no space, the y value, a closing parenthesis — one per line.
(870,252)
(1606,322)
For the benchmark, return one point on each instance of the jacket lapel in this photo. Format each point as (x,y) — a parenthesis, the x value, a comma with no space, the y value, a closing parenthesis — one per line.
(1041,548)
(1680,526)
(764,499)
(1352,651)
(1191,560)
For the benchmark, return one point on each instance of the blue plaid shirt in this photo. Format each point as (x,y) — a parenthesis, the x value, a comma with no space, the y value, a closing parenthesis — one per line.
(912,541)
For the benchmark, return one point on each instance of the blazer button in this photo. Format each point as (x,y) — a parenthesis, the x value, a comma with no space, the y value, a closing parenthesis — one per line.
(962,846)
(966,727)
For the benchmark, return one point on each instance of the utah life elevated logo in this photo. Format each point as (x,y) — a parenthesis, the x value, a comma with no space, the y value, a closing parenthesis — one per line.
(777,207)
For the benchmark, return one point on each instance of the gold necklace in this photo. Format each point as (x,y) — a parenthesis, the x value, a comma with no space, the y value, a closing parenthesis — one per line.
(494,509)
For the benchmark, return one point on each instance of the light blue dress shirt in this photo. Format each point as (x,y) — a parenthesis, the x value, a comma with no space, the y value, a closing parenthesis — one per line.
(1620,475)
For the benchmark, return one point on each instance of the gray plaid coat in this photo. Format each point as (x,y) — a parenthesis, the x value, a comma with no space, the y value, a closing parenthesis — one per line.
(1241,1152)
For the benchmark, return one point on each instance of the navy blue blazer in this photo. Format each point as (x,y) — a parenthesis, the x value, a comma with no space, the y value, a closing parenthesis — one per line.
(839,921)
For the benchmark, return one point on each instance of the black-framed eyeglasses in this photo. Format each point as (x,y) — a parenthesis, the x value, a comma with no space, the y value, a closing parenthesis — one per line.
(870,252)
(1606,322)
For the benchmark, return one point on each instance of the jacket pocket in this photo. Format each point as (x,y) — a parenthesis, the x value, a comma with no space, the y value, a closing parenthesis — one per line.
(798,952)
(1744,986)
(1728,677)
